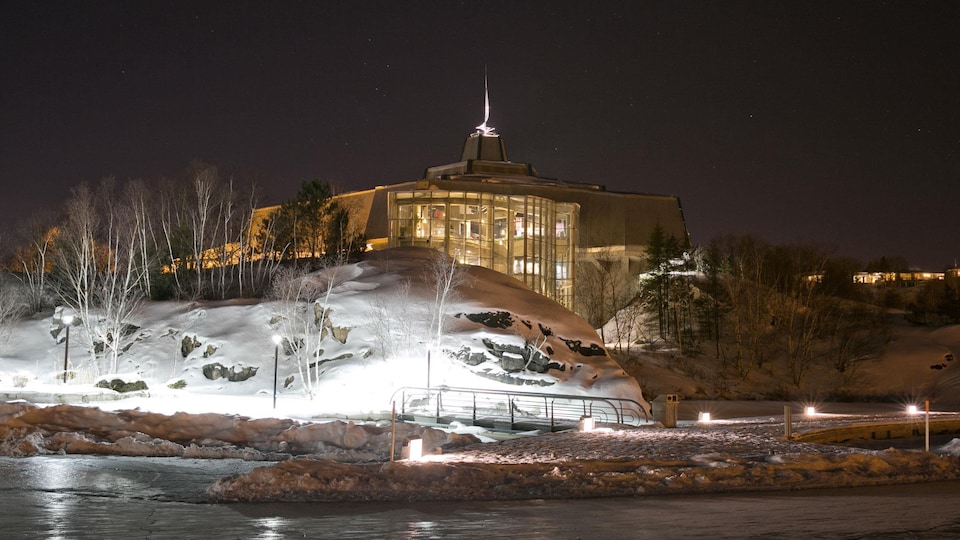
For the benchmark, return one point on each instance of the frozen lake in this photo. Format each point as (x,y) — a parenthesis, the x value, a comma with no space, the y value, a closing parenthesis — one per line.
(113,497)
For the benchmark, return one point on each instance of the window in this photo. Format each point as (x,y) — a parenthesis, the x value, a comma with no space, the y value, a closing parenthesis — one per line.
(527,237)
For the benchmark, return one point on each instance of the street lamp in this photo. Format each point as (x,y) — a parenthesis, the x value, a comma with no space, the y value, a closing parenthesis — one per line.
(67,321)
(276,363)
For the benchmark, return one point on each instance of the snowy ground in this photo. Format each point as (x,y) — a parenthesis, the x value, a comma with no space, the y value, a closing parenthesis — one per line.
(373,338)
(748,455)
(343,461)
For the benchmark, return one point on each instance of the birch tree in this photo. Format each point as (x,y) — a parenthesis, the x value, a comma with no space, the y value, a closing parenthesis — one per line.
(294,295)
(137,214)
(172,209)
(249,281)
(34,259)
(99,269)
(76,259)
(119,292)
(605,291)
(12,306)
(265,254)
(203,220)
(227,249)
(445,275)
(13,301)
(393,322)
(303,308)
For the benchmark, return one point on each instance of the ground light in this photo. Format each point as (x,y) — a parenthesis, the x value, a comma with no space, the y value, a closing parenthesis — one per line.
(415,447)
(912,410)
(704,418)
(810,411)
(587,424)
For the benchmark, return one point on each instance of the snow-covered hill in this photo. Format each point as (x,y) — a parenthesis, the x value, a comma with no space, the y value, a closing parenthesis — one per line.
(219,356)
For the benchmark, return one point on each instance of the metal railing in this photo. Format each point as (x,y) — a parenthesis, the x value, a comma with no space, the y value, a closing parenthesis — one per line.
(507,409)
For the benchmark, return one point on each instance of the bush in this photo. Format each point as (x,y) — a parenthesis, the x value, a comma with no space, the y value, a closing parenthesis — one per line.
(121,386)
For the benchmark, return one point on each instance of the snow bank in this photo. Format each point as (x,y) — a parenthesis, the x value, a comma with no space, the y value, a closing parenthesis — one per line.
(26,429)
(344,461)
(311,479)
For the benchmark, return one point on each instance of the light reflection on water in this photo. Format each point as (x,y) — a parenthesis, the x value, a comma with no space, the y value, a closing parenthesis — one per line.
(96,497)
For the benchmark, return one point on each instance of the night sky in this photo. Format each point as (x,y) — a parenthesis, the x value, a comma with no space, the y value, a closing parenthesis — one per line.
(834,122)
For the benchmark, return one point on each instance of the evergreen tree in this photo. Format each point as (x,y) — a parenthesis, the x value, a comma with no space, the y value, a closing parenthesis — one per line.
(655,290)
(298,225)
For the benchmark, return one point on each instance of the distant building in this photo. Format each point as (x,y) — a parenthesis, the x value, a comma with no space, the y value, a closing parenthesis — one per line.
(903,279)
(952,277)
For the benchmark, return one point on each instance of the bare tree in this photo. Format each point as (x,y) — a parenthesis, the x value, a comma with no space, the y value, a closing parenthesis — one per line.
(800,309)
(247,257)
(227,250)
(393,323)
(303,304)
(172,205)
(630,323)
(856,332)
(13,304)
(119,292)
(264,255)
(445,274)
(33,256)
(99,267)
(77,259)
(604,289)
(206,233)
(137,207)
(203,219)
(294,294)
(750,314)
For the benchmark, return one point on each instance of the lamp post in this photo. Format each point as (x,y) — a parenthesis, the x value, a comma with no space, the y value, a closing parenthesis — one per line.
(276,364)
(67,321)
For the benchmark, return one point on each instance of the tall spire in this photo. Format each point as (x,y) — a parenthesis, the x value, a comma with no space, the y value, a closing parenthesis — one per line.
(483,128)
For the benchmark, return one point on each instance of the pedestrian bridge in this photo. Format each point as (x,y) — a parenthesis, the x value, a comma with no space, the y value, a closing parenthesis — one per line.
(508,410)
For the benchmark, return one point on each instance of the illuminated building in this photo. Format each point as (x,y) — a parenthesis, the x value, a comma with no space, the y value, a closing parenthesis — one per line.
(488,211)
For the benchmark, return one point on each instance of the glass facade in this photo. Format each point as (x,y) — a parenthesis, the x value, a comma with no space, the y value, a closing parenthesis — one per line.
(530,238)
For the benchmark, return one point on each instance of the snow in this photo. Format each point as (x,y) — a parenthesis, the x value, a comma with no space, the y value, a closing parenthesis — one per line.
(238,334)
(336,446)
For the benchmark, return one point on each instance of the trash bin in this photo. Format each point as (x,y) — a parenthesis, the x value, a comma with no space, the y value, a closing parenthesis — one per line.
(665,409)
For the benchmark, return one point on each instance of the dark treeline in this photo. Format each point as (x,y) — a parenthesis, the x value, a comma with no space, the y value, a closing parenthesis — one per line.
(746,303)
(794,302)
